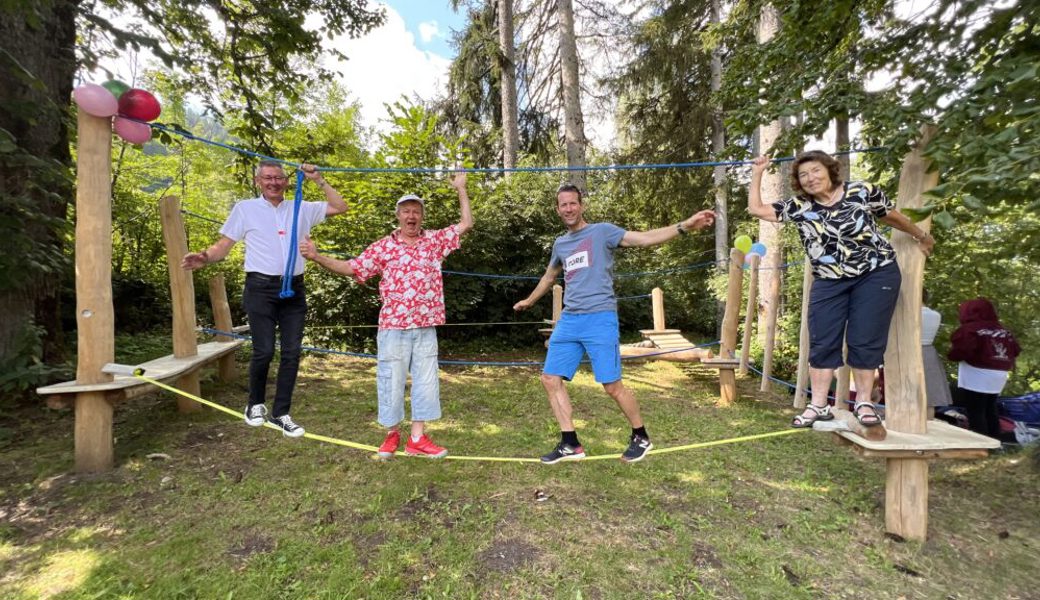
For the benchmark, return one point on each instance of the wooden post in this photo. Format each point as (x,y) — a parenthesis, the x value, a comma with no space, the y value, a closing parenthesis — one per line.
(557,302)
(772,313)
(657,299)
(730,324)
(749,315)
(182,297)
(95,316)
(844,377)
(906,488)
(222,322)
(802,379)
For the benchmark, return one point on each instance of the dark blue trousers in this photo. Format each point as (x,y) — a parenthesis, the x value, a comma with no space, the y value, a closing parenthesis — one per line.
(268,313)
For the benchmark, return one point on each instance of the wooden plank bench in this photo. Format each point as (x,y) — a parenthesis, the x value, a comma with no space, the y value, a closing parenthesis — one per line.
(124,387)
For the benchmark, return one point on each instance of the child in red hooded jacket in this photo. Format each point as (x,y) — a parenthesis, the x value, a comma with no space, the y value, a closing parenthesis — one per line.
(986,351)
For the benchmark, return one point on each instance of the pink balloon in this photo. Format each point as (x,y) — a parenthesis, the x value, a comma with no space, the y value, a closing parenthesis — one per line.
(95,100)
(132,131)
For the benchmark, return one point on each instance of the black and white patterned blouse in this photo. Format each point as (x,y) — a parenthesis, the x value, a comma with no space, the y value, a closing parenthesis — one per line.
(841,240)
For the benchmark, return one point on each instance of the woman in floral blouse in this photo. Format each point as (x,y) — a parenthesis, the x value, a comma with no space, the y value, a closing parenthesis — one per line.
(856,278)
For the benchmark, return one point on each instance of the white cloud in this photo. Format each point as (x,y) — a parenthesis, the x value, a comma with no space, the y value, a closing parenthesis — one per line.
(429,30)
(385,65)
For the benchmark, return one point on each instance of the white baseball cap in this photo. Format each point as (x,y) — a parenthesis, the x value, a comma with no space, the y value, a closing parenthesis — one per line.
(411,197)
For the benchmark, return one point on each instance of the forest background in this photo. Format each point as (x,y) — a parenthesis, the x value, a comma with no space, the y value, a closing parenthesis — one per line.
(686,81)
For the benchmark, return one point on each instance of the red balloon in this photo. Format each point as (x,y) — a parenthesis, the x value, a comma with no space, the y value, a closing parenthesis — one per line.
(139,104)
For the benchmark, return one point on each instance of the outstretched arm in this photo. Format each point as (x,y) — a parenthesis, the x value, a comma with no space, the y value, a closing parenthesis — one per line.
(544,285)
(336,204)
(310,252)
(754,201)
(662,234)
(459,183)
(903,223)
(215,253)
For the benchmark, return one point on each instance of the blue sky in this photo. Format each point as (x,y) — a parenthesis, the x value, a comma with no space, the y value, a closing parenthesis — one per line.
(431,22)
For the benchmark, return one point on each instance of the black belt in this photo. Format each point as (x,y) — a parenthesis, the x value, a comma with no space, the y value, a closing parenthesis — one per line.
(272,278)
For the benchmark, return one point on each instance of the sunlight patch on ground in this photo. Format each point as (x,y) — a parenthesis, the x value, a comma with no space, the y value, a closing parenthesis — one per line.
(63,572)
(695,477)
(795,486)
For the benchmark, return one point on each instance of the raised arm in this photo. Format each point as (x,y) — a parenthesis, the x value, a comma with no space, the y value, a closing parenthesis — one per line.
(215,253)
(459,183)
(544,285)
(310,252)
(899,221)
(336,204)
(661,235)
(754,201)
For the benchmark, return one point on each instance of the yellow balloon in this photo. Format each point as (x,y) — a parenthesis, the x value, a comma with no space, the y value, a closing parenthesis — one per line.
(742,243)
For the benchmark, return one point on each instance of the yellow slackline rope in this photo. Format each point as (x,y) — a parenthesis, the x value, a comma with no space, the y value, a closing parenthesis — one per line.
(357,446)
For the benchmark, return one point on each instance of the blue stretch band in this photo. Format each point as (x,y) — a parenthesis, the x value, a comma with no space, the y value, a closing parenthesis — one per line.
(290,263)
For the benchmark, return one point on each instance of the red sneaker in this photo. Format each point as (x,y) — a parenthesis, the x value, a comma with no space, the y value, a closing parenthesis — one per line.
(424,447)
(390,444)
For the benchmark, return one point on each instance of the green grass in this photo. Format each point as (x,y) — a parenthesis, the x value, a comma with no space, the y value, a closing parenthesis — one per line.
(243,513)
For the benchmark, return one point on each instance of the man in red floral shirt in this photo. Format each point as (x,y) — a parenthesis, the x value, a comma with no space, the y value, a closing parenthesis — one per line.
(412,291)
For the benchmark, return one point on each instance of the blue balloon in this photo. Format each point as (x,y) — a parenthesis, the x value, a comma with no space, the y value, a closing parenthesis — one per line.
(758,248)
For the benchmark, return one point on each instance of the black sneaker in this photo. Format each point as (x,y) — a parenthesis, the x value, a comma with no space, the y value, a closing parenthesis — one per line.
(255,415)
(637,449)
(289,429)
(563,452)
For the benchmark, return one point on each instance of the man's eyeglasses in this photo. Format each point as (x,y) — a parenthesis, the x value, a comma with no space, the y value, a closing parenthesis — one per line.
(273,178)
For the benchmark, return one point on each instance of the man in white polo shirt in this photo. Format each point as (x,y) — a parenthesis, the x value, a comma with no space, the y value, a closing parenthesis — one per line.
(265,224)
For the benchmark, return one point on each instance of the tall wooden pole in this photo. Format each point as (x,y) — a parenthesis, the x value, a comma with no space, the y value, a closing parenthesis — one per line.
(222,322)
(95,316)
(906,489)
(573,120)
(182,297)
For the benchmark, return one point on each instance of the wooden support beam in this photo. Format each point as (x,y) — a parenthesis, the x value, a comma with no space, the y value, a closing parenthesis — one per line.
(906,487)
(95,316)
(749,314)
(557,302)
(182,296)
(657,299)
(730,324)
(802,378)
(222,322)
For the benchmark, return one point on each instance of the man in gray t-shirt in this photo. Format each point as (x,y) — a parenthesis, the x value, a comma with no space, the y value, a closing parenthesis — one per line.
(585,254)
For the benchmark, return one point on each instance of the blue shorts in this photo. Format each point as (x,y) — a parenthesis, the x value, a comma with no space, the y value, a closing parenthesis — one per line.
(858,309)
(577,334)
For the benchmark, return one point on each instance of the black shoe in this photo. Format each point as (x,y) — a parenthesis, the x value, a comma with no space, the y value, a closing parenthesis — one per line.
(255,415)
(563,452)
(637,449)
(289,429)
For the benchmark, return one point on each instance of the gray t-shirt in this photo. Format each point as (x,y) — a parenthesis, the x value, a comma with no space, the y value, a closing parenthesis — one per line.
(587,258)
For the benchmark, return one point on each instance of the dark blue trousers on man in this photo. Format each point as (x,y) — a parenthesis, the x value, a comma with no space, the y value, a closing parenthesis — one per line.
(268,312)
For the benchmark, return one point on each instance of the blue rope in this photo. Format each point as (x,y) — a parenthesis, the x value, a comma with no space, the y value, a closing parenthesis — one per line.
(478,363)
(290,262)
(786,383)
(682,165)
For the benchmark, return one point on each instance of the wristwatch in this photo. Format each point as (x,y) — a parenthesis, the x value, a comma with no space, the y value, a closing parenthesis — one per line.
(679,228)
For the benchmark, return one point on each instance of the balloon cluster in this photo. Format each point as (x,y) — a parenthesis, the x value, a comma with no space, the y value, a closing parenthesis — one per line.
(128,105)
(744,244)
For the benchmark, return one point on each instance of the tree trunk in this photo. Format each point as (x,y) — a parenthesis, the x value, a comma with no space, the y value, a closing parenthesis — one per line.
(507,64)
(574,123)
(841,144)
(37,75)
(718,144)
(772,190)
